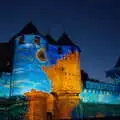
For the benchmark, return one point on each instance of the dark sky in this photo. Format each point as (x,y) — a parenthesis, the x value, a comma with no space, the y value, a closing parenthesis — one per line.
(92,24)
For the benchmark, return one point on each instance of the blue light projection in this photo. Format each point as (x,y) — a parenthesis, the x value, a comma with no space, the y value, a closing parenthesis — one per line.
(5,85)
(99,96)
(65,49)
(27,73)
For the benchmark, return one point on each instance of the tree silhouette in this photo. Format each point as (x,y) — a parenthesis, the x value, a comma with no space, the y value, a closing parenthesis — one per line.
(84,76)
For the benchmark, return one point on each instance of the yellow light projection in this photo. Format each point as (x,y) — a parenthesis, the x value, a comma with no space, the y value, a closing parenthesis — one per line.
(37,105)
(66,86)
(65,74)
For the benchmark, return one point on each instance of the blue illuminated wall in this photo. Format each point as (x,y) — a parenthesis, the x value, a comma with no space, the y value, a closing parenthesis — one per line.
(99,96)
(5,85)
(27,74)
(98,99)
(99,92)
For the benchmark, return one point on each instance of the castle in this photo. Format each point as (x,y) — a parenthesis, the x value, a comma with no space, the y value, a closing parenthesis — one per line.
(45,75)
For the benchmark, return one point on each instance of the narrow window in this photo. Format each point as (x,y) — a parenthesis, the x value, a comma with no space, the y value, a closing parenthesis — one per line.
(59,50)
(72,50)
(21,40)
(37,40)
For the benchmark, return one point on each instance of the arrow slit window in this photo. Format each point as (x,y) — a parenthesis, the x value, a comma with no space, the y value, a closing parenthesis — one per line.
(21,40)
(37,40)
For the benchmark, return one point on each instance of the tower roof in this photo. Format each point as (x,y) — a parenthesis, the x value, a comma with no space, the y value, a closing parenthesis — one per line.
(50,39)
(29,29)
(118,63)
(65,40)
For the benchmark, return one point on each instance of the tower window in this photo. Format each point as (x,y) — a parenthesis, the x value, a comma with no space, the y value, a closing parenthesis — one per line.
(59,50)
(47,47)
(21,41)
(72,50)
(62,68)
(37,40)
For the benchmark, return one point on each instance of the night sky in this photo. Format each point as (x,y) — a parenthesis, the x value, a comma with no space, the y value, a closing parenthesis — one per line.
(94,25)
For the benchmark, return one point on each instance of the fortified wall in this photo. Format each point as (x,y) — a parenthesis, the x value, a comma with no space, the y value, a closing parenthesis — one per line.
(48,74)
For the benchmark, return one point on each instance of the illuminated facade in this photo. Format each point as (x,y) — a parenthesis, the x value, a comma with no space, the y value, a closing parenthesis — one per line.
(29,56)
(46,73)
(99,97)
(98,92)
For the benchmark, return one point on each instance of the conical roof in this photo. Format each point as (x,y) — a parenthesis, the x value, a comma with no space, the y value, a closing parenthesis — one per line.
(29,29)
(115,70)
(50,39)
(65,40)
(118,63)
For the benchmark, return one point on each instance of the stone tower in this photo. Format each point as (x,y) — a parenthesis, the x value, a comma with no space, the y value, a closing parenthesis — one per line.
(66,84)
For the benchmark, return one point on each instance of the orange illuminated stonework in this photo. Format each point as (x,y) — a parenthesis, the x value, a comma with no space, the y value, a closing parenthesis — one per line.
(64,105)
(65,74)
(37,107)
(66,84)
(50,103)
